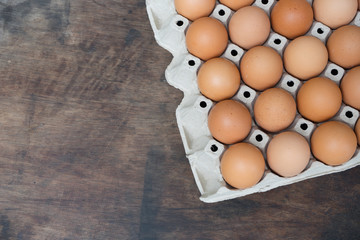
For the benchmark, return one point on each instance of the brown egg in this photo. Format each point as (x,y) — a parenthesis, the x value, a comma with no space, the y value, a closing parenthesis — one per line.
(194,9)
(249,27)
(357,131)
(292,18)
(206,38)
(218,79)
(288,154)
(236,4)
(350,88)
(344,46)
(319,99)
(229,121)
(333,143)
(274,109)
(335,13)
(242,165)
(261,67)
(305,57)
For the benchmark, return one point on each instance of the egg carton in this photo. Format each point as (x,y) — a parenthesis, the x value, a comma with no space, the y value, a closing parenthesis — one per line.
(203,152)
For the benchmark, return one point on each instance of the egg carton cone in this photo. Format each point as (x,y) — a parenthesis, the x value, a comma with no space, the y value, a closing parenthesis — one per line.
(202,150)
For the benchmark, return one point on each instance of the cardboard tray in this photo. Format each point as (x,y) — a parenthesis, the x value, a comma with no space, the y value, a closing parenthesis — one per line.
(203,152)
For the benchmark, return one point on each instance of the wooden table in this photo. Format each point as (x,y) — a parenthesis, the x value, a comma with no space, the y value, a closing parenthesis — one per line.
(90,149)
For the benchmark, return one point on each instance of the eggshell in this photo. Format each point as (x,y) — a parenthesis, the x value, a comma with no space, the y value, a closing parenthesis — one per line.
(229,121)
(249,27)
(292,18)
(344,46)
(274,109)
(319,99)
(333,143)
(261,67)
(357,131)
(335,13)
(288,154)
(194,9)
(236,4)
(218,79)
(305,57)
(350,88)
(206,38)
(242,165)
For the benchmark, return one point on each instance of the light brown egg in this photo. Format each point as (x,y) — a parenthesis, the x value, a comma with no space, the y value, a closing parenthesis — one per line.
(193,10)
(274,109)
(206,38)
(229,121)
(236,4)
(357,131)
(344,46)
(335,13)
(261,67)
(249,27)
(305,57)
(333,143)
(288,154)
(319,99)
(350,88)
(218,79)
(242,165)
(292,18)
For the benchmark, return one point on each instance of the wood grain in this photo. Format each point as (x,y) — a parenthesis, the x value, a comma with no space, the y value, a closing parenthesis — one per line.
(89,146)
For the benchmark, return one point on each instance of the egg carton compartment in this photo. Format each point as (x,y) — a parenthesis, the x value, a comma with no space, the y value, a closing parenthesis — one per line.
(205,166)
(182,73)
(347,115)
(234,53)
(266,5)
(333,72)
(319,30)
(277,42)
(303,126)
(202,150)
(191,117)
(222,13)
(258,138)
(289,83)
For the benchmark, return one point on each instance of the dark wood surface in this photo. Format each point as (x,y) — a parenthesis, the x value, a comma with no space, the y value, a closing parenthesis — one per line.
(90,149)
